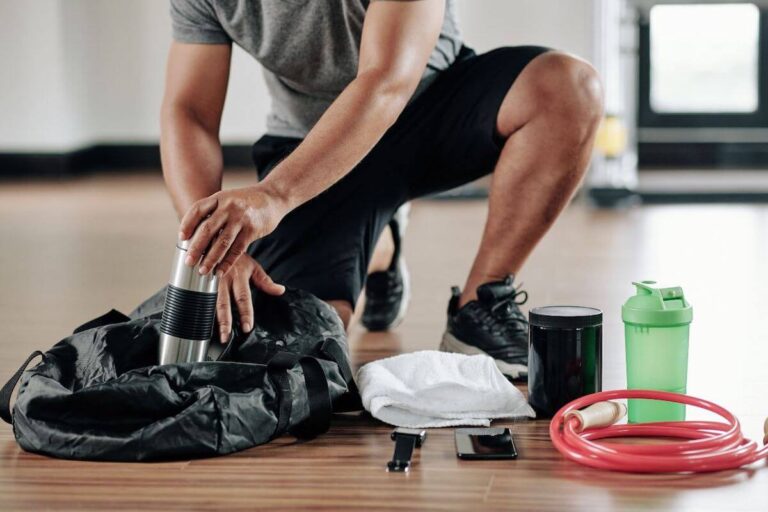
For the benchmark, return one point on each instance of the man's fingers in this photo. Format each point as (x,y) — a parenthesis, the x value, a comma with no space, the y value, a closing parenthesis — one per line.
(238,248)
(205,232)
(220,246)
(241,292)
(196,213)
(223,311)
(263,282)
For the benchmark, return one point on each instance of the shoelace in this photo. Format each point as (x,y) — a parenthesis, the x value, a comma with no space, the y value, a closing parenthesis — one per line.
(507,319)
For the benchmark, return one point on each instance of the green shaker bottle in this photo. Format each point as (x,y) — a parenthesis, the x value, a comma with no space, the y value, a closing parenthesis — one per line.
(656,324)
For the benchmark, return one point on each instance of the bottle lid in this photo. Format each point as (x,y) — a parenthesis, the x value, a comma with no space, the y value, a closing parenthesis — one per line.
(565,317)
(659,307)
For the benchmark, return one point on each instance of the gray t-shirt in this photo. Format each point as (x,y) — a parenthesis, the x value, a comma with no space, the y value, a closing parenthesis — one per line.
(309,49)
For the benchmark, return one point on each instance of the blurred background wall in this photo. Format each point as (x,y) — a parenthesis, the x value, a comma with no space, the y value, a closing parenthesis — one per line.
(84,72)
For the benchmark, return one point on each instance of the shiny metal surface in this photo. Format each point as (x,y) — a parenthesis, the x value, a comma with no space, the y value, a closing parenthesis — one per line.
(189,278)
(180,350)
(173,349)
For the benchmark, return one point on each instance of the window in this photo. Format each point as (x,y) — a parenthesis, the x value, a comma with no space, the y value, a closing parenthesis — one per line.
(704,58)
(703,84)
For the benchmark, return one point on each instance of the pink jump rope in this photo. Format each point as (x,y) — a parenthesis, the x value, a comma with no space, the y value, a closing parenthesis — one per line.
(706,445)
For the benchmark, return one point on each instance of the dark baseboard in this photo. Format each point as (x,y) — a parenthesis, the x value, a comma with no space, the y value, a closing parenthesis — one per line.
(616,198)
(721,155)
(607,197)
(101,158)
(664,197)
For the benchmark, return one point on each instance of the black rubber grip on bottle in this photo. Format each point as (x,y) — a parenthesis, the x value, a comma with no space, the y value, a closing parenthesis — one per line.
(188,314)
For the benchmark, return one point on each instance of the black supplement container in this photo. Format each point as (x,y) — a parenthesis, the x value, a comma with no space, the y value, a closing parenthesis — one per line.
(565,356)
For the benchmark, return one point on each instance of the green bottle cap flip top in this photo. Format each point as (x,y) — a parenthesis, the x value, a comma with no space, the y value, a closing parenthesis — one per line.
(656,327)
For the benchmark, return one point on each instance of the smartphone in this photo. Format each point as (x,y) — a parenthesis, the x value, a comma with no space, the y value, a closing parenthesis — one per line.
(484,444)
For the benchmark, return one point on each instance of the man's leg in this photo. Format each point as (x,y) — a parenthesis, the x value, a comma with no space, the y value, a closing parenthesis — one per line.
(387,285)
(382,254)
(324,246)
(344,309)
(548,120)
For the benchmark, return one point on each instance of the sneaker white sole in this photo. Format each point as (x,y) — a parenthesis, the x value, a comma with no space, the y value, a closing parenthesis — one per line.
(402,216)
(450,343)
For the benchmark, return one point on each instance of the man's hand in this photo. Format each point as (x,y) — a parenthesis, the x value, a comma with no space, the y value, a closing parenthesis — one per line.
(234,286)
(224,224)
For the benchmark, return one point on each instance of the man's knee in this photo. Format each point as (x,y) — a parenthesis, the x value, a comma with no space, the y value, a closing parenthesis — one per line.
(345,311)
(560,85)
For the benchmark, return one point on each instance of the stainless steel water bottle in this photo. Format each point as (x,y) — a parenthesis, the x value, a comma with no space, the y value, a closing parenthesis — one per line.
(190,308)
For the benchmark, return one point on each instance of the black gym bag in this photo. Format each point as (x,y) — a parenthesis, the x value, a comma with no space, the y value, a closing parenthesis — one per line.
(99,394)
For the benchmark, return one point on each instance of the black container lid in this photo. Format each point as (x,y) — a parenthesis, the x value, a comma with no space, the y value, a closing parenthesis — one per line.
(565,317)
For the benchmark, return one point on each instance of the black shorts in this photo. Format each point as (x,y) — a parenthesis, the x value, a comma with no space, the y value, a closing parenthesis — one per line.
(446,137)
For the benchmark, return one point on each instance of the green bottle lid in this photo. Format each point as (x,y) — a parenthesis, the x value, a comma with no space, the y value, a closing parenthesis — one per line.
(657,307)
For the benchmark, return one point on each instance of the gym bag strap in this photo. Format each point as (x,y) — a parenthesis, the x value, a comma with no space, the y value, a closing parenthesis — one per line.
(332,351)
(7,389)
(277,368)
(112,316)
(316,383)
(319,419)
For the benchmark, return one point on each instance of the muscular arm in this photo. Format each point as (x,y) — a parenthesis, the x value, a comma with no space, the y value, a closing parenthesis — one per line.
(195,88)
(397,40)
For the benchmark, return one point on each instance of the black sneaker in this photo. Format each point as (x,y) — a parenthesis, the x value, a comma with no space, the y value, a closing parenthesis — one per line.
(493,325)
(388,292)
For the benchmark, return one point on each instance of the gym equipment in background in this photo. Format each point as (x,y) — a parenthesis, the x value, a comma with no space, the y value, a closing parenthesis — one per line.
(190,309)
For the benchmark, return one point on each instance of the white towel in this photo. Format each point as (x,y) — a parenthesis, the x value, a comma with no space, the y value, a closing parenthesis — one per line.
(439,389)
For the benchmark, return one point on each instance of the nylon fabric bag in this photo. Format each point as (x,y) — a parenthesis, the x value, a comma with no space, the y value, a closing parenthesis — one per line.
(100,395)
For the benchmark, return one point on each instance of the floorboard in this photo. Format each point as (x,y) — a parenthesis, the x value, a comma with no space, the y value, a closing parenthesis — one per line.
(72,249)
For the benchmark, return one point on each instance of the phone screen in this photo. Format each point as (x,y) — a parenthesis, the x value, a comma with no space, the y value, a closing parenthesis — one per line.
(485,444)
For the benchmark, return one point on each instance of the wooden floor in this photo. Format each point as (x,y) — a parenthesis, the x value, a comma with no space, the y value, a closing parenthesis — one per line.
(70,250)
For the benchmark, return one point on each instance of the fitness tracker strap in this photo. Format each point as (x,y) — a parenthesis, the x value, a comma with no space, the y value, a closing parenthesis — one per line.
(406,439)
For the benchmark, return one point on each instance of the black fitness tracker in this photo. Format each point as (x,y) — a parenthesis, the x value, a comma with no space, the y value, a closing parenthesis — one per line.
(406,439)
